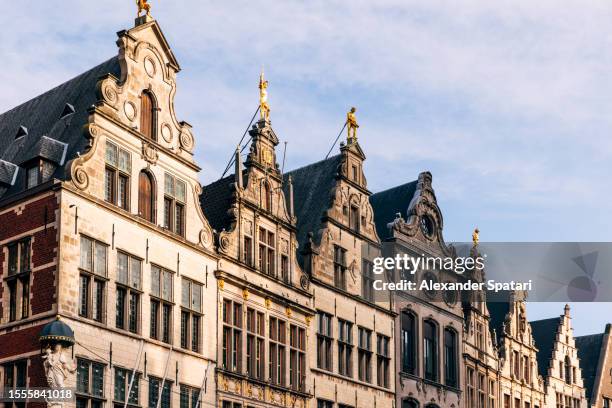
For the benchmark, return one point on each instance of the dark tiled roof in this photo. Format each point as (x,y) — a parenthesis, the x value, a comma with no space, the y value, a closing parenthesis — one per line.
(386,204)
(498,312)
(216,200)
(312,194)
(41,116)
(8,172)
(544,335)
(589,349)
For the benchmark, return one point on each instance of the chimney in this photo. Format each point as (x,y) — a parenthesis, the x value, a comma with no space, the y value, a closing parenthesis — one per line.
(291,210)
(238,170)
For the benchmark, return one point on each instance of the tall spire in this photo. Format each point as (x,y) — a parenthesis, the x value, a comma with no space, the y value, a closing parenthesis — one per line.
(264,108)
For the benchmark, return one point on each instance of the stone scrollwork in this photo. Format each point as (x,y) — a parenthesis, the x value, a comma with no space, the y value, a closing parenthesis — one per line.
(186,140)
(78,174)
(149,153)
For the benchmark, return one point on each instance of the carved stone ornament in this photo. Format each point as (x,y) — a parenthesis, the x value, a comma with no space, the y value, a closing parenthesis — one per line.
(186,140)
(78,175)
(304,282)
(57,369)
(149,153)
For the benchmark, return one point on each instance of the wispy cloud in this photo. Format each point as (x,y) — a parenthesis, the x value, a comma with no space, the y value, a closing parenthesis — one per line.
(507,103)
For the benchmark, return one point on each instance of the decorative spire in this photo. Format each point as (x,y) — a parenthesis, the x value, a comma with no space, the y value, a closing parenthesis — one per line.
(143,5)
(264,108)
(351,125)
(476,237)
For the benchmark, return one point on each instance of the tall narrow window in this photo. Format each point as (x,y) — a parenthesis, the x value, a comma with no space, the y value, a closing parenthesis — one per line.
(93,273)
(383,360)
(345,348)
(430,350)
(191,315)
(174,204)
(409,343)
(161,304)
(450,357)
(297,357)
(568,370)
(340,267)
(155,386)
(90,384)
(471,393)
(129,288)
(255,344)
(18,281)
(148,115)
(324,341)
(189,397)
(146,197)
(354,218)
(364,354)
(232,335)
(15,376)
(367,281)
(277,351)
(267,252)
(266,197)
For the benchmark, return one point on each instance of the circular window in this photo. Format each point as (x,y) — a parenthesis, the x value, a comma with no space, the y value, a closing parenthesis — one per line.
(427,226)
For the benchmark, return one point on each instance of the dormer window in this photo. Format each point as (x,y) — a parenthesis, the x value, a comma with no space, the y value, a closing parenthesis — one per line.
(148,115)
(174,204)
(33,176)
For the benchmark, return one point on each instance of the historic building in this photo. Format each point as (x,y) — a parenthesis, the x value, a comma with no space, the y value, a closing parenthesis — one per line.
(353,358)
(102,229)
(429,325)
(558,362)
(520,384)
(595,355)
(264,300)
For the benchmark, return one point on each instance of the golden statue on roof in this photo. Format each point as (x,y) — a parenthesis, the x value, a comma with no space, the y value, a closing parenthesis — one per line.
(476,237)
(351,125)
(264,108)
(143,5)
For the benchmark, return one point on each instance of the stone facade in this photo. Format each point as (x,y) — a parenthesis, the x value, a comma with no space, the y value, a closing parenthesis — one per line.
(595,355)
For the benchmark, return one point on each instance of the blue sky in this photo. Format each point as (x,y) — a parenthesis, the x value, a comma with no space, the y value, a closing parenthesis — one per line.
(508,103)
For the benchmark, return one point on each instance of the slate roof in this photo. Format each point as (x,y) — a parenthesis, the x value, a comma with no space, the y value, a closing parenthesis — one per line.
(386,204)
(41,116)
(498,312)
(215,200)
(589,350)
(544,335)
(312,194)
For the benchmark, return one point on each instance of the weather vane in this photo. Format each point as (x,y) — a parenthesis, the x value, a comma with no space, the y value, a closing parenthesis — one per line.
(143,5)
(351,125)
(264,107)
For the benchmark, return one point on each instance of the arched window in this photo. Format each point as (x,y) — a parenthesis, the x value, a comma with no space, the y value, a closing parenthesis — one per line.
(568,370)
(410,403)
(266,197)
(450,357)
(409,343)
(148,115)
(146,197)
(430,350)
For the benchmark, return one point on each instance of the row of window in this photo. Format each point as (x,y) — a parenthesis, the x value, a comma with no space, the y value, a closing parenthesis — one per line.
(281,342)
(429,350)
(345,350)
(480,391)
(91,380)
(117,190)
(266,245)
(129,294)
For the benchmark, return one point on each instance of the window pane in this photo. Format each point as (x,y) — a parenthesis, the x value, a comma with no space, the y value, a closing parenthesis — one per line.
(169,185)
(125,164)
(83,376)
(86,254)
(155,279)
(196,297)
(97,380)
(111,154)
(185,293)
(100,259)
(167,286)
(122,268)
(136,273)
(180,190)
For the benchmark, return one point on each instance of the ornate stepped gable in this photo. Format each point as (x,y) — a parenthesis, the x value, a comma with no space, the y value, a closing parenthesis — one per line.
(594,355)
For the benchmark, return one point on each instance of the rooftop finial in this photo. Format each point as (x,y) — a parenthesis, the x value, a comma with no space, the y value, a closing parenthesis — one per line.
(143,5)
(264,108)
(476,237)
(351,125)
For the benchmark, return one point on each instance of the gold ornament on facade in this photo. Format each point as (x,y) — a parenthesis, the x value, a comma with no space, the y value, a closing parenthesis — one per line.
(308,319)
(143,5)
(288,312)
(245,294)
(268,303)
(221,283)
(249,390)
(267,157)
(351,125)
(264,107)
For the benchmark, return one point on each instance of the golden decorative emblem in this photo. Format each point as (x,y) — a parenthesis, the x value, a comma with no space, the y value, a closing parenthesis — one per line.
(476,237)
(268,303)
(245,294)
(143,5)
(288,312)
(308,319)
(221,283)
(351,125)
(264,107)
